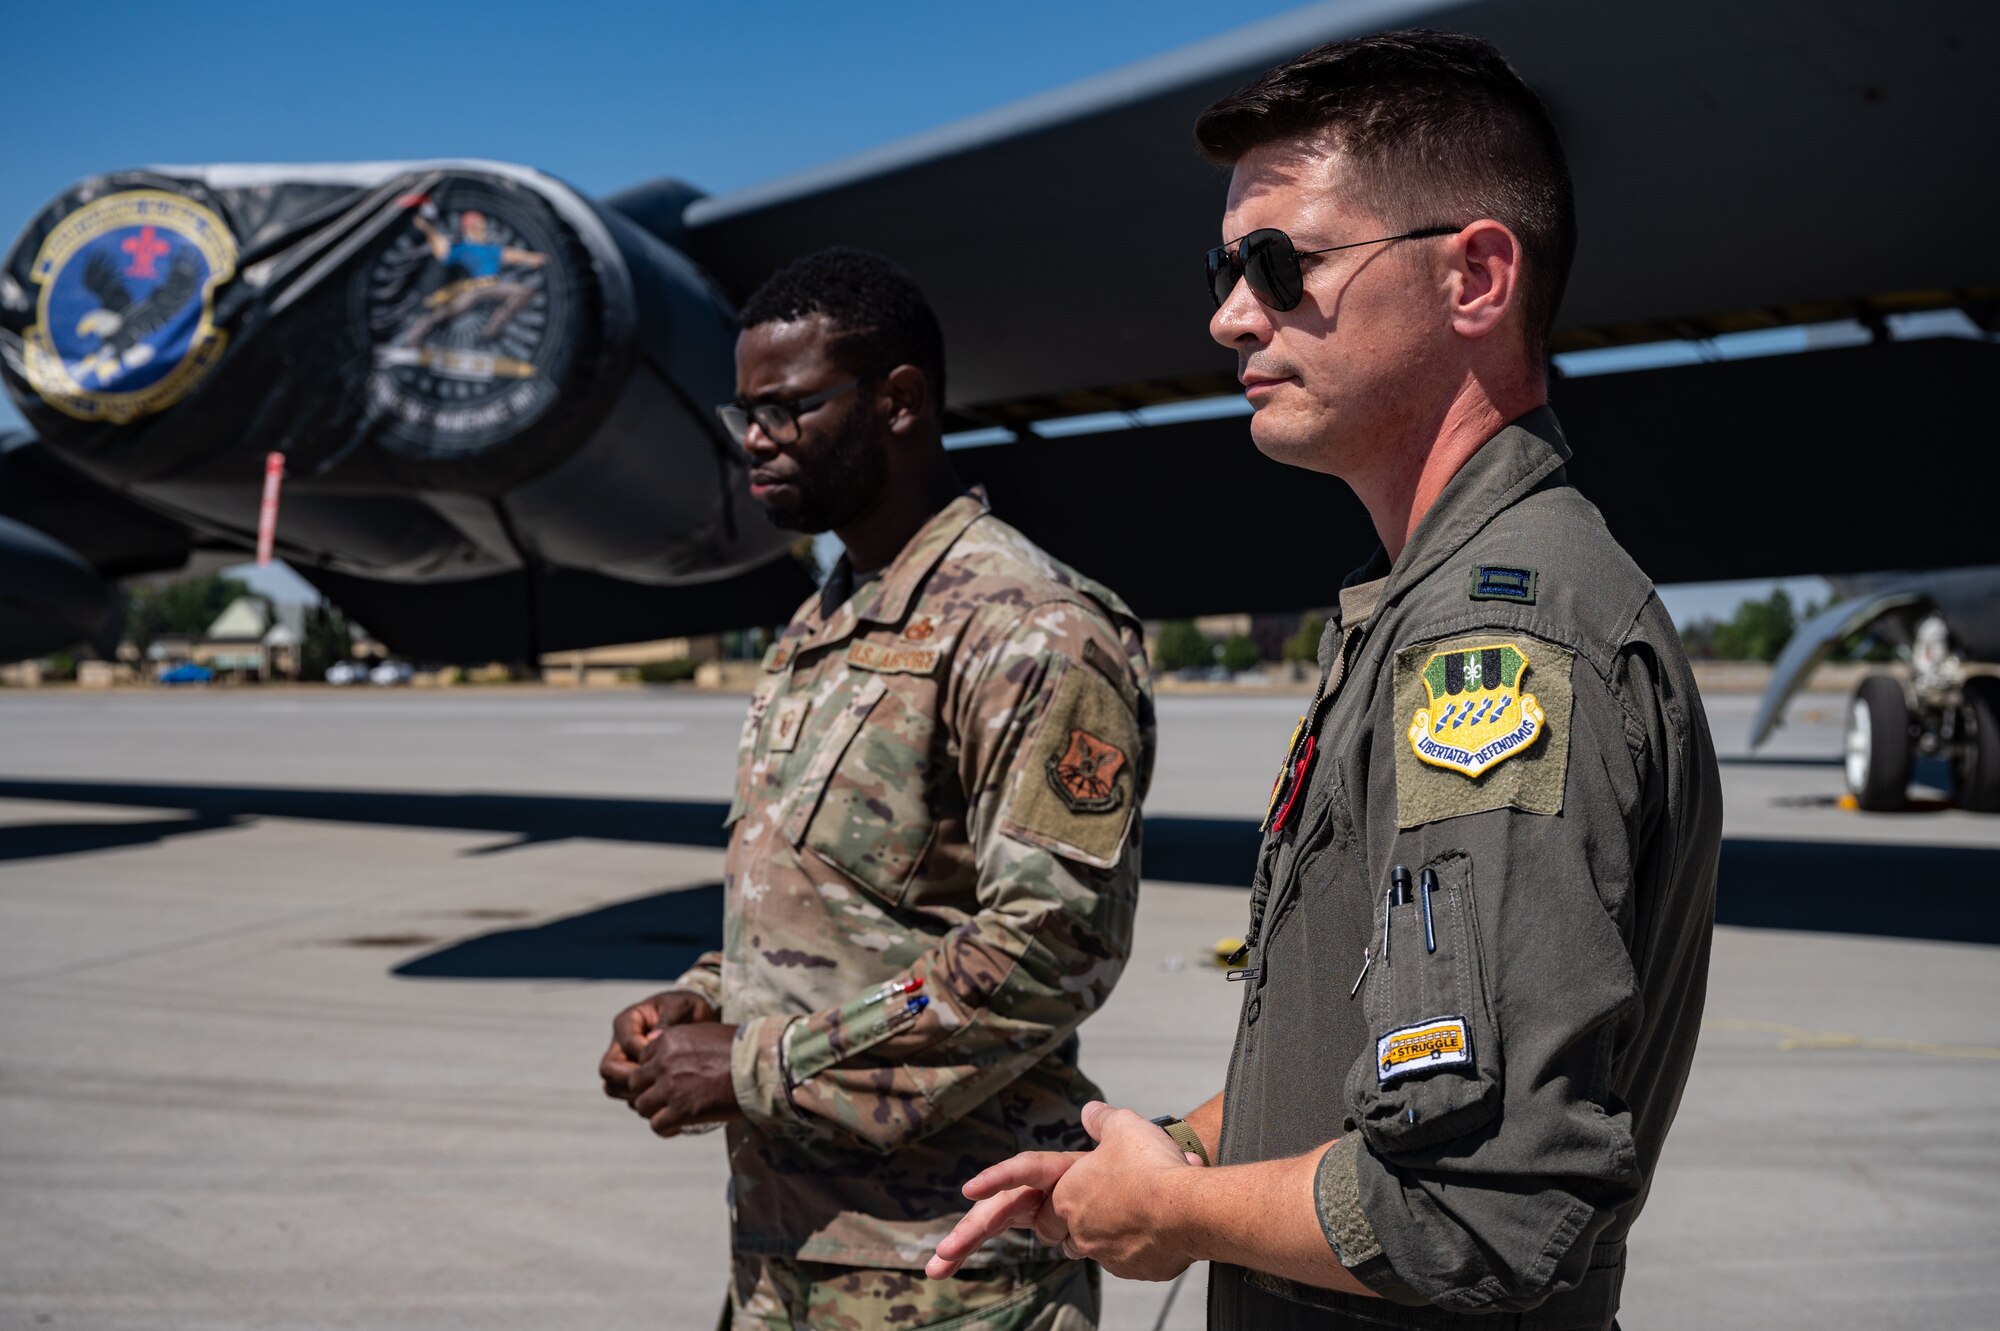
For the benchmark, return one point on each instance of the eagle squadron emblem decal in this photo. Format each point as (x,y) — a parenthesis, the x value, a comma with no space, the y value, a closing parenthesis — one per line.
(124,319)
(1478,716)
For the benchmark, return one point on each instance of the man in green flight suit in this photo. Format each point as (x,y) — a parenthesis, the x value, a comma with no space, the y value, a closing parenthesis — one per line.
(1480,918)
(934,851)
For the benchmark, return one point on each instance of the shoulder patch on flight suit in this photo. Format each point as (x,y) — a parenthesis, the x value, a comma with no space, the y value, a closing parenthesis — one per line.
(1485,725)
(1074,793)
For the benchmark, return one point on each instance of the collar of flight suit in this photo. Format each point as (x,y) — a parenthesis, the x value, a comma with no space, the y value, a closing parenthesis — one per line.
(887,598)
(1506,468)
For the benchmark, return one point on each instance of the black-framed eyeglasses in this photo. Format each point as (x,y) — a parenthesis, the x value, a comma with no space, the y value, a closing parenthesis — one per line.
(778,418)
(1269,261)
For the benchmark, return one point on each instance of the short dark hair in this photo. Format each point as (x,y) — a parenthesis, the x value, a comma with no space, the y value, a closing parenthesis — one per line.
(879,314)
(1440,130)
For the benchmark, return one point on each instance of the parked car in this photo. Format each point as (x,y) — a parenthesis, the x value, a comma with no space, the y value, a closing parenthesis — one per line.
(390,672)
(187,674)
(346,672)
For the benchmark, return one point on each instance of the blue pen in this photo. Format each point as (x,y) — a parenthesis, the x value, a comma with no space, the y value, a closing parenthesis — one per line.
(1427,885)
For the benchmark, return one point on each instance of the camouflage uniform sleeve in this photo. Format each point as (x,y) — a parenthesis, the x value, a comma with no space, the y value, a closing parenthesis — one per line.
(1053,724)
(703,980)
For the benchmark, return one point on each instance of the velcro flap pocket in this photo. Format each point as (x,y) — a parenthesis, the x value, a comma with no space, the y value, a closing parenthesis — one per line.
(864,1024)
(840,732)
(1075,793)
(1433,1070)
(873,821)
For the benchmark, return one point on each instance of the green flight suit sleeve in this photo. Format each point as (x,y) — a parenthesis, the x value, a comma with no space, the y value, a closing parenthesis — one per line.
(1052,724)
(1489,1151)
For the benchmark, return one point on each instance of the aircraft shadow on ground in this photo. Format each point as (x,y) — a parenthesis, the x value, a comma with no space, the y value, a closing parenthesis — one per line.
(1886,890)
(36,841)
(648,939)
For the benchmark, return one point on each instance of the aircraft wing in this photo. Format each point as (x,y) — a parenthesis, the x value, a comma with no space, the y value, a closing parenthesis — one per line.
(482,467)
(1737,166)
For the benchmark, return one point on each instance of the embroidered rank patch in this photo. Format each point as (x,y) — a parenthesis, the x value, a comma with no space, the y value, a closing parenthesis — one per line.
(889,660)
(790,720)
(1501,582)
(1478,714)
(1438,1043)
(922,629)
(1482,723)
(779,654)
(1085,775)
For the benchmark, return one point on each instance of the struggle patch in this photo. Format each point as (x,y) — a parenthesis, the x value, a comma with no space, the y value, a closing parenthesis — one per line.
(1438,1043)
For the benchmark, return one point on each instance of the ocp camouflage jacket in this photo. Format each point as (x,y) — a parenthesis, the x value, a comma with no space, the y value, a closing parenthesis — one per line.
(930,883)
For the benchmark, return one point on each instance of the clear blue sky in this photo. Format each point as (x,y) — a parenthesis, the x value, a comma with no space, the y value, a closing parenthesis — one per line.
(600,95)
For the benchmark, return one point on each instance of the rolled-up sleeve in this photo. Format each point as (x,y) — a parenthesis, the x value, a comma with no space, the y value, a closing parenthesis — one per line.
(1480,1173)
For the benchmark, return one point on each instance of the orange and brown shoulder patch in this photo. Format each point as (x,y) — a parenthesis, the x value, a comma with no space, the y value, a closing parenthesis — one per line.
(1075,792)
(1084,776)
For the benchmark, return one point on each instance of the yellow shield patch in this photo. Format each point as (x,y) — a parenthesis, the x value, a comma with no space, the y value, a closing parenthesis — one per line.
(1478,715)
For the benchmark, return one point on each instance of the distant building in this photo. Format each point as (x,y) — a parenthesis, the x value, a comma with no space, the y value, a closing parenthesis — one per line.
(249,641)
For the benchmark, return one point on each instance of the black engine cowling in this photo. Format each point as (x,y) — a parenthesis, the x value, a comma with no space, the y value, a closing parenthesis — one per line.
(468,366)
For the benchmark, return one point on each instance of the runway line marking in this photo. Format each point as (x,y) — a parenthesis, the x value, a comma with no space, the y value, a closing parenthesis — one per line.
(1798,1037)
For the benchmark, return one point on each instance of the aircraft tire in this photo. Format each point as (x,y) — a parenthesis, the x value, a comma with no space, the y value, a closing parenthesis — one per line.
(1979,768)
(1880,750)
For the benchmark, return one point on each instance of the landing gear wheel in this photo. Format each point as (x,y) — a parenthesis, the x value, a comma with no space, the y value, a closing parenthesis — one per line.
(1880,750)
(1979,762)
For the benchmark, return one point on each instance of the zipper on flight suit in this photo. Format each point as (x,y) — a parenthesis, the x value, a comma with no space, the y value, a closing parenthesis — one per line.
(1282,882)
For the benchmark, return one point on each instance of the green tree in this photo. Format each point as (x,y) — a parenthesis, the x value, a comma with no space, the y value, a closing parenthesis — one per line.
(1181,645)
(1239,653)
(183,607)
(1758,630)
(1304,645)
(327,638)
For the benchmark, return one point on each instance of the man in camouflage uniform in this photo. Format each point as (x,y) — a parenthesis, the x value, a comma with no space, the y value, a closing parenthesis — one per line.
(934,857)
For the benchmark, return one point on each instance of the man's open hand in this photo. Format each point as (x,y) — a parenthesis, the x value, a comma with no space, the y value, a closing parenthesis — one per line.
(633,1029)
(1109,1191)
(1013,1194)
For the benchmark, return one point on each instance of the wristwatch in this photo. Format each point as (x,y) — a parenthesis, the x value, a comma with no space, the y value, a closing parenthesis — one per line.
(1184,1136)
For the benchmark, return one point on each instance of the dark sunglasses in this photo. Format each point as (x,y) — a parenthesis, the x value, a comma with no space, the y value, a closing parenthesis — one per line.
(1268,260)
(778,418)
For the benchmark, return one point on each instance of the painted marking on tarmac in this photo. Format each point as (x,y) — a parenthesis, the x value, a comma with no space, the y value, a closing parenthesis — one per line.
(1798,1037)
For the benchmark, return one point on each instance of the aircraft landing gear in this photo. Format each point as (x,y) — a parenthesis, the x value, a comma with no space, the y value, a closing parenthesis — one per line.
(1943,712)
(1978,765)
(1881,744)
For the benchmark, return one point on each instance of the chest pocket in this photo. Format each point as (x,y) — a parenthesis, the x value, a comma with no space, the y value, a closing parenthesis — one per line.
(864,806)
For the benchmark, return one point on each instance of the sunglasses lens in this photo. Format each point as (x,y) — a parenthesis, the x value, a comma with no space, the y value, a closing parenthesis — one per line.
(1222,274)
(1271,266)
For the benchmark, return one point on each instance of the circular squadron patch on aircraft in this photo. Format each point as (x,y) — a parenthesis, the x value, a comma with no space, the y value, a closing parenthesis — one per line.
(467,328)
(125,319)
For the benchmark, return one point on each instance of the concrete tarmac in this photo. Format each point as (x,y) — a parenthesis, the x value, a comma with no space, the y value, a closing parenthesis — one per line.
(301,996)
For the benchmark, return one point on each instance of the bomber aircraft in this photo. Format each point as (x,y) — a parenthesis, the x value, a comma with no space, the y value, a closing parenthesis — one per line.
(483,401)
